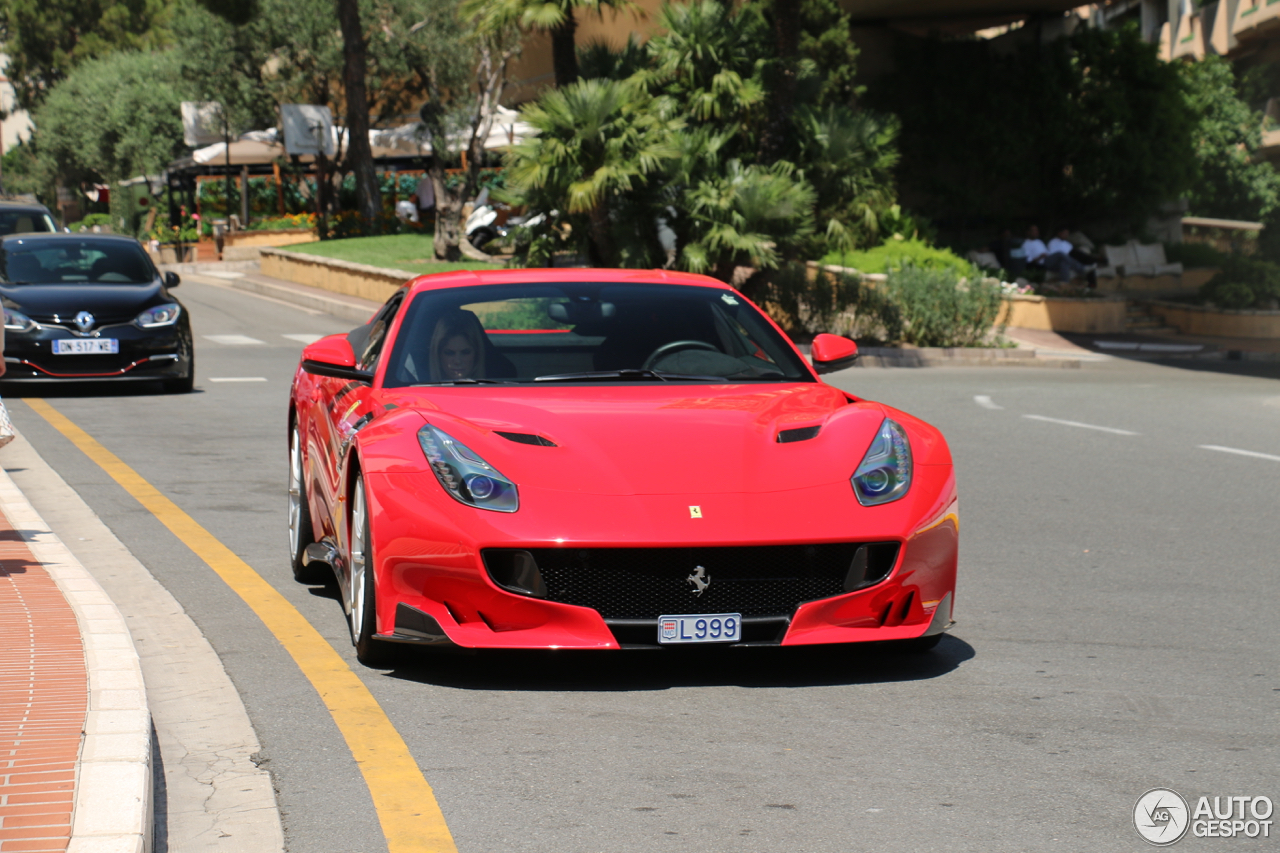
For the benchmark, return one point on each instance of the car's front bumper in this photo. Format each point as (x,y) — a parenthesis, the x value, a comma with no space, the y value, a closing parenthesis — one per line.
(433,586)
(144,354)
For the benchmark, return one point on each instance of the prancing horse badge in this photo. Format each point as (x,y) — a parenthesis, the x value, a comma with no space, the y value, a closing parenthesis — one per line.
(695,512)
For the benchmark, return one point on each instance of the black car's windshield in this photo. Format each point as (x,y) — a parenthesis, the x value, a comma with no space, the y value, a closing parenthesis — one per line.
(553,334)
(66,260)
(25,222)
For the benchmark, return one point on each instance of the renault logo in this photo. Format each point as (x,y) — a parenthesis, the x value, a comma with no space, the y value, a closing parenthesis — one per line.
(84,322)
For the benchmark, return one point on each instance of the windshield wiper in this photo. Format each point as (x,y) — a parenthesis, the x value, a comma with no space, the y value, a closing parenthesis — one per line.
(643,373)
(468,381)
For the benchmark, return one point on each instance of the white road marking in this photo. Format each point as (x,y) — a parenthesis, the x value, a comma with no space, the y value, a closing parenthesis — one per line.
(1252,453)
(226,275)
(1112,430)
(232,340)
(237,379)
(303,339)
(985,402)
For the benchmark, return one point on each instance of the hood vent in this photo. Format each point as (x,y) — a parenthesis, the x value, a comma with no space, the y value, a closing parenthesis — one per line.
(527,438)
(786,436)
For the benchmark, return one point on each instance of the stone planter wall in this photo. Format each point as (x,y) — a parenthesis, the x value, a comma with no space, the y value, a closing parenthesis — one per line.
(1217,322)
(352,279)
(1063,314)
(279,237)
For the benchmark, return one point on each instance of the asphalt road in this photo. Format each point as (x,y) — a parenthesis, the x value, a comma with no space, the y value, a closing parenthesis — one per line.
(1117,631)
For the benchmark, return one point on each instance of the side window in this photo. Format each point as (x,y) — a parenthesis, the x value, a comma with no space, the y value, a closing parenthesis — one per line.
(378,328)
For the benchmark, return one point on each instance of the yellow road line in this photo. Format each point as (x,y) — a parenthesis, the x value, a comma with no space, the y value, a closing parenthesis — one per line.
(410,816)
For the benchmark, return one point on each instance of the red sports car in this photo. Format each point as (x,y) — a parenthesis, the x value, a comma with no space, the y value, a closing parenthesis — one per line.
(604,459)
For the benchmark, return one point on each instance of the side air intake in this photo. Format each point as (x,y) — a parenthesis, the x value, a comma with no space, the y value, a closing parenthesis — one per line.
(527,438)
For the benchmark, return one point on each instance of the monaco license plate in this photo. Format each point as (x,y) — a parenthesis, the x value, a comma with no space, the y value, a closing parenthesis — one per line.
(86,346)
(700,628)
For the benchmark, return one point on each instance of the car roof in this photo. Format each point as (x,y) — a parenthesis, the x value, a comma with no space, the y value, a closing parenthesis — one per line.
(473,278)
(24,205)
(62,235)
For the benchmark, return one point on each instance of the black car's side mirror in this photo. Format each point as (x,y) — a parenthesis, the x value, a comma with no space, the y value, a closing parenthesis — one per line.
(172,280)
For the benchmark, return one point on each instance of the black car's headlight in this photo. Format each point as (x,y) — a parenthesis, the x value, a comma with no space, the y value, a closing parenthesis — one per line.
(160,315)
(16,321)
(464,475)
(884,475)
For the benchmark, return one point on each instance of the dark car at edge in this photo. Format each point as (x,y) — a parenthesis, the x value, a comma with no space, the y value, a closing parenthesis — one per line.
(83,307)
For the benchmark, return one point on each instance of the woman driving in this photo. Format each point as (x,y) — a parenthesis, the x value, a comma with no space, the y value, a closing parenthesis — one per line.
(457,347)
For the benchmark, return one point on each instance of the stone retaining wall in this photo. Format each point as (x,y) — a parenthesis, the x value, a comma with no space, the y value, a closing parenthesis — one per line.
(1217,322)
(1064,314)
(361,280)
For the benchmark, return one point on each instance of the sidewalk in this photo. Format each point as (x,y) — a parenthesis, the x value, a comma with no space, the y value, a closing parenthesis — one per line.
(1102,345)
(75,733)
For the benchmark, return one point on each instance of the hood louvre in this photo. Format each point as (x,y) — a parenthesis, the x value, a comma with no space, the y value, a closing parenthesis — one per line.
(786,436)
(526,438)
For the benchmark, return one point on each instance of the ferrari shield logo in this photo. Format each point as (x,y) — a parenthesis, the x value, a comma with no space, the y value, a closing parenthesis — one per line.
(695,512)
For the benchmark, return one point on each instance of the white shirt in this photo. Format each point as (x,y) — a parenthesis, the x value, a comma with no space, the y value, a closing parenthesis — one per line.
(1059,246)
(1034,248)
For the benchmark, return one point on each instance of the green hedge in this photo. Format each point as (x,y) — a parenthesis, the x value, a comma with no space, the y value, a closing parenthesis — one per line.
(894,254)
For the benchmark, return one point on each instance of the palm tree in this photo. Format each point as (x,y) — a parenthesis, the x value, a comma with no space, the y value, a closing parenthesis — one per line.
(598,142)
(557,18)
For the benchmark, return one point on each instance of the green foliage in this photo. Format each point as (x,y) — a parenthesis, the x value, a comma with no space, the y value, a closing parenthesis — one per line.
(745,216)
(46,40)
(940,308)
(113,118)
(835,304)
(350,223)
(598,144)
(697,99)
(90,221)
(1087,128)
(1192,255)
(1229,183)
(895,254)
(1244,283)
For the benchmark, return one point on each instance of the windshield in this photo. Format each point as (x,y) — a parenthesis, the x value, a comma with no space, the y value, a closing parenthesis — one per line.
(585,332)
(25,222)
(65,261)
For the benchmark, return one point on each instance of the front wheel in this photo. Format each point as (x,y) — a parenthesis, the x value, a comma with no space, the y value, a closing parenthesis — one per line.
(362,595)
(300,531)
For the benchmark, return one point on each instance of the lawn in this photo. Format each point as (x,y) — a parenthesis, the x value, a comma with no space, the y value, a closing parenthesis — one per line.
(411,252)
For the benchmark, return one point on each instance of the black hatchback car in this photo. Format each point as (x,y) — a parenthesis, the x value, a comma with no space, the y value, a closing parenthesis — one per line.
(90,307)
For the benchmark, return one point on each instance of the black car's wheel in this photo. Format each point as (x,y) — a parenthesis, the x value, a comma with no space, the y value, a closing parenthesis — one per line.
(183,384)
(362,594)
(300,532)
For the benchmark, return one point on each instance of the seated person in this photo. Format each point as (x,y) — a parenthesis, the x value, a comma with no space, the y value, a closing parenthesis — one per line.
(1061,260)
(1033,248)
(457,347)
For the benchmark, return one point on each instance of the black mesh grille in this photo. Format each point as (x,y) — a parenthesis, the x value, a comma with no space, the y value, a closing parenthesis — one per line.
(645,583)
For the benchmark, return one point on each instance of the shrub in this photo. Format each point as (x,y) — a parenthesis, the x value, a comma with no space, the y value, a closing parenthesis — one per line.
(90,220)
(835,304)
(894,254)
(1244,283)
(940,308)
(1195,255)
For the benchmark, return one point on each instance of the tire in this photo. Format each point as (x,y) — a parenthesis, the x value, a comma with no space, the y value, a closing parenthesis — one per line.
(362,594)
(182,385)
(301,533)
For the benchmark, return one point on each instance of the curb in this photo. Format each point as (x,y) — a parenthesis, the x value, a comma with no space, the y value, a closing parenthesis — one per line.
(113,792)
(871,357)
(347,307)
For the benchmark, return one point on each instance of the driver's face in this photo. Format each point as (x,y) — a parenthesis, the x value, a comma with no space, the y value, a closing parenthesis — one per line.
(457,358)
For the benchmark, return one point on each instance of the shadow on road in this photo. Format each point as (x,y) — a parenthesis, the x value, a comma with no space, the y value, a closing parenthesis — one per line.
(663,669)
(86,389)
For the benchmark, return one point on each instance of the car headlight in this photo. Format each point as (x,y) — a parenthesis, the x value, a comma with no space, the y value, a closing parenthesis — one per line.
(160,315)
(16,321)
(464,475)
(884,475)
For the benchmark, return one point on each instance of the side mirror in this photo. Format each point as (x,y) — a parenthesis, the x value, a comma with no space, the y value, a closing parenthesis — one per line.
(832,352)
(172,280)
(333,356)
